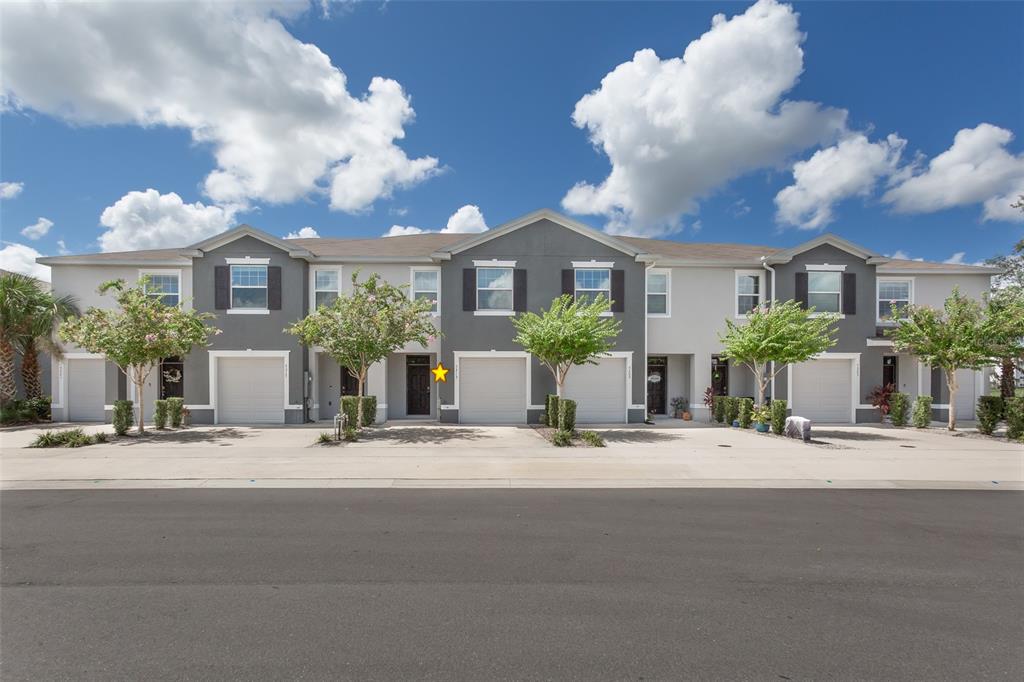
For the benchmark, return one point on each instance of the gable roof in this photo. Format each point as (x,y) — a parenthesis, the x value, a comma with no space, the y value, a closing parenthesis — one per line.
(381,249)
(531,218)
(910,267)
(144,257)
(832,240)
(198,250)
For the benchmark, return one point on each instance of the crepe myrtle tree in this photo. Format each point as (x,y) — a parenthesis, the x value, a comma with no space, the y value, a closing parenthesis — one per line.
(960,336)
(138,334)
(780,333)
(365,326)
(571,332)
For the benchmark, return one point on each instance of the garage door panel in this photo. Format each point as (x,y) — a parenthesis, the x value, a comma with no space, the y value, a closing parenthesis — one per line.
(492,390)
(250,390)
(966,394)
(822,391)
(599,391)
(86,390)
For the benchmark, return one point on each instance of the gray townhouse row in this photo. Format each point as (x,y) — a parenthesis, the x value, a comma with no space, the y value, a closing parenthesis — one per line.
(672,298)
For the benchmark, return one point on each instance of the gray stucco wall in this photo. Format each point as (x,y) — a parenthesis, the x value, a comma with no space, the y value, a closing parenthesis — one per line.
(244,332)
(543,249)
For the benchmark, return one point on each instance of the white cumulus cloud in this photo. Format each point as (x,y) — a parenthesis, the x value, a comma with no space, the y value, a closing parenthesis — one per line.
(277,114)
(22,259)
(150,220)
(62,248)
(956,259)
(38,229)
(305,233)
(676,129)
(849,168)
(9,190)
(976,169)
(466,220)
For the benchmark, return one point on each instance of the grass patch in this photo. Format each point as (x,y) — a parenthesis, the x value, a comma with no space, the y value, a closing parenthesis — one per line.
(561,439)
(592,438)
(68,438)
(325,438)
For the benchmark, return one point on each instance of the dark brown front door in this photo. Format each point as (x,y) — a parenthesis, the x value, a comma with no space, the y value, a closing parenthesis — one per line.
(349,384)
(719,375)
(657,377)
(172,378)
(890,371)
(417,385)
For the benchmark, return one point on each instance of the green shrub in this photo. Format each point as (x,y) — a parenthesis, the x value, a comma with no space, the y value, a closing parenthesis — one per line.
(566,415)
(592,438)
(17,412)
(160,414)
(551,410)
(325,437)
(732,409)
(349,408)
(369,409)
(778,410)
(1015,418)
(562,439)
(68,438)
(899,404)
(40,407)
(990,411)
(762,415)
(746,412)
(351,434)
(718,408)
(175,411)
(124,415)
(99,438)
(922,417)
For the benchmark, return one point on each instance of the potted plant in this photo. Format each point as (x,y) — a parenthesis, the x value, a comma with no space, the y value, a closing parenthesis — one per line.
(762,418)
(879,399)
(681,408)
(709,402)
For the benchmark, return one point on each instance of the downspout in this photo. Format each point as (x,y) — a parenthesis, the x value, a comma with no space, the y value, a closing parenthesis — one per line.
(771,303)
(647,322)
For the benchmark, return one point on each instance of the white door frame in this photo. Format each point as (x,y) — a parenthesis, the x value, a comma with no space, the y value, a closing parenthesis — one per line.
(216,354)
(854,379)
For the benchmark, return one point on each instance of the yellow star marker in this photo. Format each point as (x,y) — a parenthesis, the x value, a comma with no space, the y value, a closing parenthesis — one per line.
(440,373)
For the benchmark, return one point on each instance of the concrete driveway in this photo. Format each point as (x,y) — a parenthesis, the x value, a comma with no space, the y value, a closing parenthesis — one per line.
(434,455)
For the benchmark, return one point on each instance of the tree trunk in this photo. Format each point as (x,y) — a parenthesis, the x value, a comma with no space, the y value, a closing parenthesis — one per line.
(359,399)
(951,384)
(1006,378)
(140,383)
(560,382)
(8,387)
(762,384)
(31,378)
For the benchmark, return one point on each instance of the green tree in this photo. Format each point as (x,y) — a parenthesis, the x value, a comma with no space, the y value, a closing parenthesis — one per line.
(571,332)
(138,334)
(1009,285)
(1004,329)
(365,326)
(781,333)
(28,315)
(957,337)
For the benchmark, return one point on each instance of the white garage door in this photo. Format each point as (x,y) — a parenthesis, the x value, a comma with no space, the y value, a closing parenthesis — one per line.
(86,390)
(492,390)
(599,391)
(821,391)
(250,390)
(966,394)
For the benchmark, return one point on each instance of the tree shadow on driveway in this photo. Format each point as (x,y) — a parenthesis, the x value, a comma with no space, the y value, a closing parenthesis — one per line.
(637,436)
(152,437)
(422,435)
(818,434)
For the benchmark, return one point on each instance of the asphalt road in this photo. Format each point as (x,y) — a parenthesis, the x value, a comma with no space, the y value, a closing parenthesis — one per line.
(512,584)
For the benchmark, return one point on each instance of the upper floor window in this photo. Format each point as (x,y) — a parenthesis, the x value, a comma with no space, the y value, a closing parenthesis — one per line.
(894,295)
(494,289)
(657,292)
(591,282)
(326,286)
(748,291)
(164,286)
(426,285)
(824,290)
(249,287)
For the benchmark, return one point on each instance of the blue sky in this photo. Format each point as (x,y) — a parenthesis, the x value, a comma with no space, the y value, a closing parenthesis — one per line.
(494,87)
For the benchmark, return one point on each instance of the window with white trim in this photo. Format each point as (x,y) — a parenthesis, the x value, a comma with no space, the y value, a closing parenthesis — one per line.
(657,292)
(748,292)
(249,287)
(326,287)
(494,289)
(163,286)
(824,289)
(426,285)
(592,282)
(893,295)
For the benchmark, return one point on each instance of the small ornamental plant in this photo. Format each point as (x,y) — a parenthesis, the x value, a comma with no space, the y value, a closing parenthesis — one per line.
(922,416)
(732,410)
(990,412)
(778,409)
(746,412)
(899,407)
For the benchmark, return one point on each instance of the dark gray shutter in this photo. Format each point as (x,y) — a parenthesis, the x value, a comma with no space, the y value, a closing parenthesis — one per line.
(849,293)
(801,289)
(221,287)
(469,288)
(519,290)
(274,287)
(569,282)
(618,291)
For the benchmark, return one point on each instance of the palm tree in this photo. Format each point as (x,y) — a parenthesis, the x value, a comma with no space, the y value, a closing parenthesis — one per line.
(27,318)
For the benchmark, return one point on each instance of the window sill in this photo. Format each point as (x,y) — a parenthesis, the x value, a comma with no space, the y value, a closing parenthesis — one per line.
(248,311)
(659,314)
(607,313)
(840,316)
(494,313)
